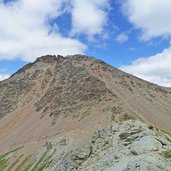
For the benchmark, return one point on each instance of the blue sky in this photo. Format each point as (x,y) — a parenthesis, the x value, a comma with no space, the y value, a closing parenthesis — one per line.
(126,34)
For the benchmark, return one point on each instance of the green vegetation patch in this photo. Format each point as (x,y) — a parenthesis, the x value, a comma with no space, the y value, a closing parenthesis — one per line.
(3,163)
(167,154)
(45,161)
(24,164)
(38,164)
(12,151)
(14,163)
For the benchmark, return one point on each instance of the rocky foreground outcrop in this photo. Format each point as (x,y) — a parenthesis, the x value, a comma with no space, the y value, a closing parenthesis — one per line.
(129,146)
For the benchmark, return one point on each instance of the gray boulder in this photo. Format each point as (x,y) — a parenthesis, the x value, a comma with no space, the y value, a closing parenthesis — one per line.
(146,163)
(145,145)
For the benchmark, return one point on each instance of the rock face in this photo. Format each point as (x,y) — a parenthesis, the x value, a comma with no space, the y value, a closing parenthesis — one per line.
(65,113)
(145,144)
(62,86)
(107,151)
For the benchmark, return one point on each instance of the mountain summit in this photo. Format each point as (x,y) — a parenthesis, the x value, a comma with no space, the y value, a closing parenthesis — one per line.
(71,97)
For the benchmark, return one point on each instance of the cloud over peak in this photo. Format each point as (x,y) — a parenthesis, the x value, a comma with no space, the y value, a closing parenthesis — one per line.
(89,16)
(25,31)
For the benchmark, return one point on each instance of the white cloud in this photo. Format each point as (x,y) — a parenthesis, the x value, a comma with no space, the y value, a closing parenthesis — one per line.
(121,38)
(26,34)
(151,16)
(156,69)
(89,16)
(4,76)
(132,49)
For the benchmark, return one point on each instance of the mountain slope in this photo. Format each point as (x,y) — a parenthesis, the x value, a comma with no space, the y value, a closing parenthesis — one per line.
(73,96)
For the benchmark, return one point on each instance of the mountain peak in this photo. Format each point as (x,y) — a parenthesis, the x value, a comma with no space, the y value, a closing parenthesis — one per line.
(49,58)
(54,58)
(63,85)
(46,58)
(72,97)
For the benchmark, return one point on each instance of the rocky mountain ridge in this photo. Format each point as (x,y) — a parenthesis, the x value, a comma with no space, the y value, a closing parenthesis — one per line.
(58,99)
